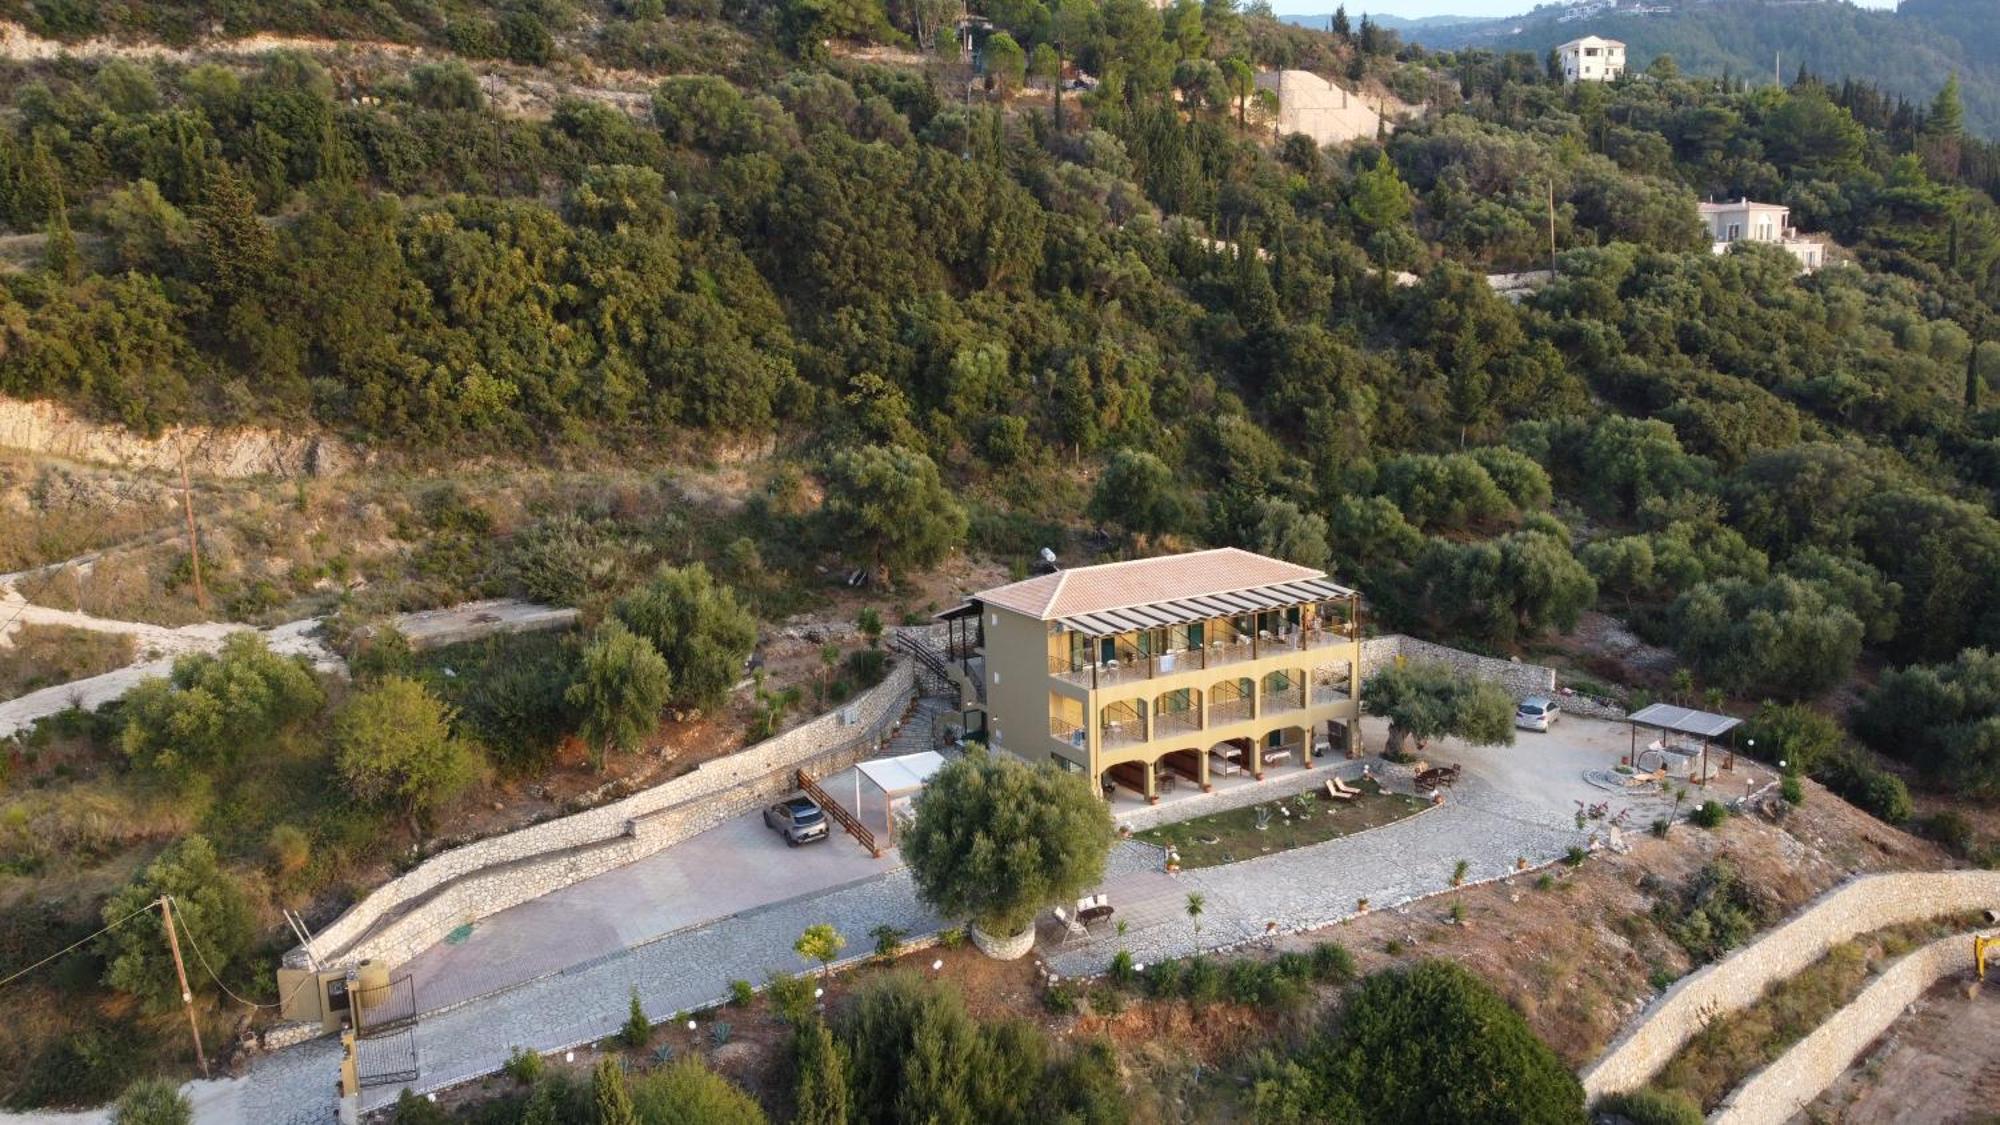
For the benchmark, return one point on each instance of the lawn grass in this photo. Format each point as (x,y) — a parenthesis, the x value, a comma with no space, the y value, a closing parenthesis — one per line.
(1227,837)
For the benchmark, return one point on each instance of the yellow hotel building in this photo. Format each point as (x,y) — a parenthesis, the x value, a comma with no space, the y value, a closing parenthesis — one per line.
(1162,672)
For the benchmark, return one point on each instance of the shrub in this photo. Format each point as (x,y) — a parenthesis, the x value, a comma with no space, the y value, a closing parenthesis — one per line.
(620,688)
(1203,984)
(1868,786)
(1794,734)
(1651,1106)
(951,937)
(213,710)
(1166,980)
(152,1101)
(289,848)
(688,1093)
(1059,999)
(1951,829)
(524,1066)
(791,997)
(1792,790)
(1575,856)
(1332,963)
(1246,981)
(1121,968)
(1458,872)
(1710,814)
(888,940)
(1427,1044)
(867,666)
(637,1027)
(1713,913)
(719,1032)
(742,993)
(1661,825)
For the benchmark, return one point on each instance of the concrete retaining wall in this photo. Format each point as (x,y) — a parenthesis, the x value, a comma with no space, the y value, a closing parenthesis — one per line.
(415,910)
(1853,908)
(1774,1094)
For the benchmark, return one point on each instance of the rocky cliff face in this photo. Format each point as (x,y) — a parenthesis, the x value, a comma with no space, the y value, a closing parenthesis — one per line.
(56,431)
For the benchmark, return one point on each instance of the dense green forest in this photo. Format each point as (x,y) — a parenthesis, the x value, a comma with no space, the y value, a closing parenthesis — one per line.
(1904,50)
(842,253)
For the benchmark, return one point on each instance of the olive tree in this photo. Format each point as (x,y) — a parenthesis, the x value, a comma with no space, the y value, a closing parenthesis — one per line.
(394,745)
(887,506)
(211,913)
(697,626)
(996,841)
(620,690)
(1428,700)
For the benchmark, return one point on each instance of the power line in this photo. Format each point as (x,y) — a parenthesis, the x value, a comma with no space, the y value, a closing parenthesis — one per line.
(73,945)
(202,957)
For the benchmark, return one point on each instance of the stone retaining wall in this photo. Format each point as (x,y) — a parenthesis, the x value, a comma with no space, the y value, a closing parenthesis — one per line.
(1773,1095)
(1858,906)
(1520,680)
(415,910)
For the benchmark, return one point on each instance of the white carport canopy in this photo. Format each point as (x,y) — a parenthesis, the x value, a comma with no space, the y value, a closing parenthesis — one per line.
(896,777)
(902,776)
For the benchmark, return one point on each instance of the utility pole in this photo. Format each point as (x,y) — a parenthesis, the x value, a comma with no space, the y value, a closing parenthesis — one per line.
(180,970)
(194,543)
(1552,228)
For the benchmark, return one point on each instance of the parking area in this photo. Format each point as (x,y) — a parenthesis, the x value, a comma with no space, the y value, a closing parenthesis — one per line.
(735,867)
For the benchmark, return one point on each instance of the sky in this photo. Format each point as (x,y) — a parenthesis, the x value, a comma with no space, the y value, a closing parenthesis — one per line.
(1416,8)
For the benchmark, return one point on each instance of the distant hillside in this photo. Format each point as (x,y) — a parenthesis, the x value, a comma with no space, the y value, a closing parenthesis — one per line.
(1906,51)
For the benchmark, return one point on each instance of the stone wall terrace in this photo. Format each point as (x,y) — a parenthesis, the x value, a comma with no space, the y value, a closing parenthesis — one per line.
(1853,908)
(464,884)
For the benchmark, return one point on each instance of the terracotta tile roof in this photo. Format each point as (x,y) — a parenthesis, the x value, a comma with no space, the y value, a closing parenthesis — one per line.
(1094,589)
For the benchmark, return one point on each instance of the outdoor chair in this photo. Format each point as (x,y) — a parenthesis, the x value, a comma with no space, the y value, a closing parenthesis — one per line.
(1334,792)
(1072,927)
(1344,788)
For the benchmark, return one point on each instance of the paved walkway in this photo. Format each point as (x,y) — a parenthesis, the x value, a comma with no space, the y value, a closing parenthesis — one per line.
(1514,802)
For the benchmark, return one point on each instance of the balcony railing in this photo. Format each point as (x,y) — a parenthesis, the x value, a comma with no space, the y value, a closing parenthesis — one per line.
(1122,732)
(1214,655)
(1228,711)
(1173,722)
(1066,732)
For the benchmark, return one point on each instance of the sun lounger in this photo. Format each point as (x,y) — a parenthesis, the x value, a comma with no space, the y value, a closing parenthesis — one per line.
(1335,793)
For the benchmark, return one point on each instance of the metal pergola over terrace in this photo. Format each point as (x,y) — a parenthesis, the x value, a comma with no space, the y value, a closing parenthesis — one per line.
(1670,719)
(1189,611)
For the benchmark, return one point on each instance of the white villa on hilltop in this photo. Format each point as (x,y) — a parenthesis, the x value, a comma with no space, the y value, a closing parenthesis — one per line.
(1745,221)
(1592,59)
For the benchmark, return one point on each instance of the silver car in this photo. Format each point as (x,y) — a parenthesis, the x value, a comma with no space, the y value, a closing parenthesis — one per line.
(1537,712)
(798,819)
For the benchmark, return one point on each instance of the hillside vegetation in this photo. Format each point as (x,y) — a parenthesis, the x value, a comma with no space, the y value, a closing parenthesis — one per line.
(1904,50)
(838,320)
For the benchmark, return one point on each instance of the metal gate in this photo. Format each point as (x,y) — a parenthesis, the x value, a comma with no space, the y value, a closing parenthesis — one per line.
(386,1008)
(388,1059)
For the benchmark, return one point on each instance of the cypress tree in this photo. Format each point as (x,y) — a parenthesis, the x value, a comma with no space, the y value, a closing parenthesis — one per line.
(819,1092)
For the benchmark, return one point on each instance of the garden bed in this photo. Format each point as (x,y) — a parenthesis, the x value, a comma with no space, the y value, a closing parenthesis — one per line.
(1290,822)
